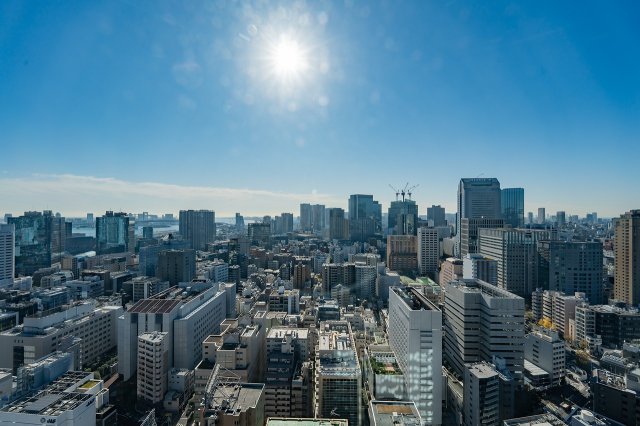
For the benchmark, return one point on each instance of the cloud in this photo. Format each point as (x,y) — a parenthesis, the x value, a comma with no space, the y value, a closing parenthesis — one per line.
(188,74)
(74,195)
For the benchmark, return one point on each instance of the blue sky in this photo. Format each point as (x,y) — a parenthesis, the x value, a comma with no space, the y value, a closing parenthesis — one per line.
(165,105)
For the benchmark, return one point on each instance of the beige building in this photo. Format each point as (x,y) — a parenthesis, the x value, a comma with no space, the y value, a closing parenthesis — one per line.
(450,270)
(627,257)
(402,253)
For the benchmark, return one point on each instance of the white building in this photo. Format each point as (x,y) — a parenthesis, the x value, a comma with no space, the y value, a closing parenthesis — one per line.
(187,315)
(415,335)
(483,321)
(545,349)
(428,251)
(42,335)
(475,265)
(153,360)
(7,259)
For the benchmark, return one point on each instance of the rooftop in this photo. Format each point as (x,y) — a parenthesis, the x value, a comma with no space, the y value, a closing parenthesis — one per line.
(394,413)
(281,421)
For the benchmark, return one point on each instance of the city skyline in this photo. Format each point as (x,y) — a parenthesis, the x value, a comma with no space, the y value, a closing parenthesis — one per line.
(262,97)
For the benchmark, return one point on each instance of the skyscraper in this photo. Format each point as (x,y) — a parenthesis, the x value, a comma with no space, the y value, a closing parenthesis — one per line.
(338,225)
(415,336)
(512,200)
(198,227)
(114,233)
(32,241)
(515,252)
(428,251)
(478,198)
(437,215)
(239,223)
(561,218)
(570,267)
(542,217)
(305,217)
(7,248)
(403,217)
(365,217)
(627,257)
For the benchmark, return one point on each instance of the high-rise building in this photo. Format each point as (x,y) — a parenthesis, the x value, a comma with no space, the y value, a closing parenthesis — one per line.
(365,217)
(153,366)
(198,227)
(515,250)
(570,267)
(337,374)
(147,232)
(481,395)
(626,248)
(306,214)
(338,224)
(32,241)
(545,349)
(7,248)
(561,218)
(239,223)
(512,200)
(428,251)
(478,198)
(58,230)
(415,336)
(176,266)
(480,267)
(259,233)
(283,223)
(436,214)
(402,253)
(451,269)
(403,217)
(114,233)
(542,218)
(318,218)
(530,218)
(482,321)
(469,232)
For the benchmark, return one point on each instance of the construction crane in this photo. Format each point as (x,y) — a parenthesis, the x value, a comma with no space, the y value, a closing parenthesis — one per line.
(411,190)
(397,191)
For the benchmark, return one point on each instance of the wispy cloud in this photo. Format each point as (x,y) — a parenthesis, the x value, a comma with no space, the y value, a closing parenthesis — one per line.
(74,195)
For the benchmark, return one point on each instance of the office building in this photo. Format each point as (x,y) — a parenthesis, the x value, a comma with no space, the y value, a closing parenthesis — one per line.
(530,218)
(187,315)
(546,350)
(7,249)
(428,251)
(542,218)
(617,397)
(230,402)
(281,300)
(114,233)
(337,374)
(145,287)
(478,198)
(147,232)
(397,413)
(365,217)
(32,241)
(239,223)
(148,256)
(451,269)
(153,366)
(436,216)
(259,233)
(305,217)
(43,334)
(571,267)
(475,265)
(515,250)
(561,218)
(176,266)
(338,224)
(481,395)
(415,336)
(198,227)
(469,232)
(365,281)
(626,248)
(483,321)
(403,217)
(402,253)
(512,200)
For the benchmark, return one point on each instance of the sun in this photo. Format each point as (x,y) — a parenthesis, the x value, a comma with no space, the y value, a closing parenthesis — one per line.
(288,58)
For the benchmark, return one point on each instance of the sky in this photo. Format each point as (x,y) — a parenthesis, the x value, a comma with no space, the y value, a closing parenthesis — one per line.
(160,106)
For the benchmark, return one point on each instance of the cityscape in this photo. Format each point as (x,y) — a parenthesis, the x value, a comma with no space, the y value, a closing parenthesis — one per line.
(331,213)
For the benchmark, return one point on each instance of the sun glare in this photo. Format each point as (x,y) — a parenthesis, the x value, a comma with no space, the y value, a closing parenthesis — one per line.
(288,59)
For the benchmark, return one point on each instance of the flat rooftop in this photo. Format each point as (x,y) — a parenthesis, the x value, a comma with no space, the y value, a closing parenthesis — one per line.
(394,413)
(281,421)
(479,286)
